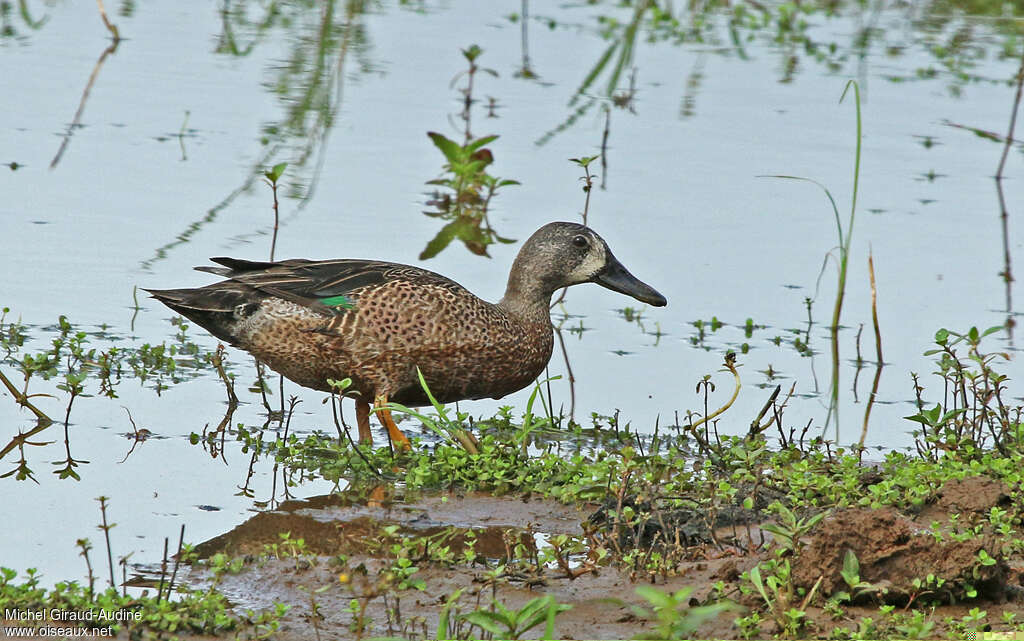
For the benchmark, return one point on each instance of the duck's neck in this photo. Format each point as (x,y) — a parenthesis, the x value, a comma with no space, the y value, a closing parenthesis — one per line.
(526,299)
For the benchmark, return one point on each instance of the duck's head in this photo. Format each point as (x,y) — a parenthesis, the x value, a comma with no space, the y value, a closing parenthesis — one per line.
(561,254)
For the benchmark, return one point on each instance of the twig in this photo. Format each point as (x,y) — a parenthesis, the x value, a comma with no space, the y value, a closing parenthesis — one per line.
(177,561)
(334,412)
(730,364)
(878,351)
(1013,120)
(604,148)
(163,572)
(112,28)
(106,535)
(874,308)
(85,97)
(22,399)
(572,377)
(756,427)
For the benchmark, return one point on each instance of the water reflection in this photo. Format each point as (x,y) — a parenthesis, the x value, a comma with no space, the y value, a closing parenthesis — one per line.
(466,190)
(1004,216)
(309,86)
(76,120)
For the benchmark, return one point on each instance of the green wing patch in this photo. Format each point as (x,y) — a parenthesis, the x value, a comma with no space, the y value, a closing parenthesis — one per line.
(338,301)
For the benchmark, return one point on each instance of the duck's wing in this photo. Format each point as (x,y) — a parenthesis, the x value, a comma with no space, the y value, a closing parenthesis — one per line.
(328,286)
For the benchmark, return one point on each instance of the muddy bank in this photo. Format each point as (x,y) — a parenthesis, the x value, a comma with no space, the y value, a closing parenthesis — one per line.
(351,576)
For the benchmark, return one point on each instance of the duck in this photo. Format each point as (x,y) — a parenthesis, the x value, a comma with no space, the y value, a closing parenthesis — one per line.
(382,324)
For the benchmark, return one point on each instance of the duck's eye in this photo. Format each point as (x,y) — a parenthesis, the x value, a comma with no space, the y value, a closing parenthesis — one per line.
(580,241)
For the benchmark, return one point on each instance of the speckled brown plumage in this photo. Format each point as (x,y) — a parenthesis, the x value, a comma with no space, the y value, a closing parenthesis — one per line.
(376,322)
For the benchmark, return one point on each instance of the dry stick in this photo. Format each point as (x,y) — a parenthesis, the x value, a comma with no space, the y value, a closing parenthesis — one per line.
(84,544)
(177,561)
(229,384)
(106,535)
(524,40)
(137,437)
(756,427)
(1004,214)
(81,105)
(874,309)
(730,365)
(604,148)
(1013,119)
(572,378)
(112,28)
(337,425)
(163,572)
(273,238)
(878,352)
(280,391)
(123,562)
(858,364)
(263,384)
(22,399)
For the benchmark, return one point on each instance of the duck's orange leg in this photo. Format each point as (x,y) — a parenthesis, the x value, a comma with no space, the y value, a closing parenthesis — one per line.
(400,441)
(363,421)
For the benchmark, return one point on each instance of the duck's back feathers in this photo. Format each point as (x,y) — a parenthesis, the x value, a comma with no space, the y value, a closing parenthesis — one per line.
(323,283)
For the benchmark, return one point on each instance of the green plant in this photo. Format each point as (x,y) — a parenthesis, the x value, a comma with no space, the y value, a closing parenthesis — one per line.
(272,176)
(973,415)
(440,424)
(851,576)
(195,611)
(505,623)
(917,625)
(750,625)
(779,594)
(672,615)
(790,529)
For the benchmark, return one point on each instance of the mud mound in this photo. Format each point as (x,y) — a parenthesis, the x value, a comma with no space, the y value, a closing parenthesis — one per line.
(893,551)
(974,494)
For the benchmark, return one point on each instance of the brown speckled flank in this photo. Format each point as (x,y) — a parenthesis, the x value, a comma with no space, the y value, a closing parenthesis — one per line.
(394,318)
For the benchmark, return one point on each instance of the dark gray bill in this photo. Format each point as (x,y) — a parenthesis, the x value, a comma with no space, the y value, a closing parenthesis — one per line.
(618,279)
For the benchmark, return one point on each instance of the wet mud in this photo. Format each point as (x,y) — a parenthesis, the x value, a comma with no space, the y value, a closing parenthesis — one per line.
(340,587)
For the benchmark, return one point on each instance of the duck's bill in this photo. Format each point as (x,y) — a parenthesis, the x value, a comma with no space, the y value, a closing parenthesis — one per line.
(618,279)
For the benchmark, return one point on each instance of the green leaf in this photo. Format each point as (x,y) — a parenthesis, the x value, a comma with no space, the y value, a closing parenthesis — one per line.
(755,578)
(992,330)
(656,597)
(488,621)
(275,172)
(443,238)
(851,569)
(451,150)
(473,145)
(472,52)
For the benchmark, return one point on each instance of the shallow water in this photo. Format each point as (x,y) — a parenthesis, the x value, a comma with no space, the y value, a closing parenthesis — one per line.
(161,173)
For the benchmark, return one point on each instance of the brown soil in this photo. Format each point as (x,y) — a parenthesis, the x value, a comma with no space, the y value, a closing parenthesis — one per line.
(892,548)
(892,551)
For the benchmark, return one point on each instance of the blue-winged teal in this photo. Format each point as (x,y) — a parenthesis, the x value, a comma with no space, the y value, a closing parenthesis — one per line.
(376,322)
